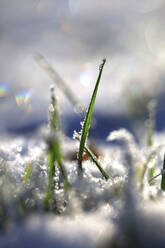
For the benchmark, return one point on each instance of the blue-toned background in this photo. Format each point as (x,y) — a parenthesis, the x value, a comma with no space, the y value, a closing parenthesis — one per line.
(74,36)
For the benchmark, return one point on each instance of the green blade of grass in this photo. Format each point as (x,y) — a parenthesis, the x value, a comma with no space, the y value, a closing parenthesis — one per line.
(151,175)
(54,152)
(87,121)
(54,126)
(97,163)
(94,158)
(153,178)
(151,123)
(163,176)
(60,83)
(150,134)
(54,156)
(59,160)
(51,174)
(54,118)
(27,173)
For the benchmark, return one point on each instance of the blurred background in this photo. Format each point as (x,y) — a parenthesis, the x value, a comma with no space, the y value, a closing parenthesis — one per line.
(74,36)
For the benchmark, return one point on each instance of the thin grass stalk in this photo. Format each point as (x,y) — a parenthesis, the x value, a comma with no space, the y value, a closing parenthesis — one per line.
(150,181)
(151,123)
(87,121)
(54,126)
(55,155)
(94,158)
(51,174)
(163,175)
(97,163)
(150,134)
(27,173)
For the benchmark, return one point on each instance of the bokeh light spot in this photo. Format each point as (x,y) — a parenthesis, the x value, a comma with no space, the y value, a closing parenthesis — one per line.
(3,90)
(86,75)
(22,98)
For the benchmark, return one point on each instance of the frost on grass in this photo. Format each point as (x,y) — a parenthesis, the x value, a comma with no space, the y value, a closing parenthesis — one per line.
(96,212)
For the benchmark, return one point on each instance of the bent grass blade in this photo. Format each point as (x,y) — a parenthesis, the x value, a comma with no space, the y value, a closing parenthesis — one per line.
(94,159)
(97,163)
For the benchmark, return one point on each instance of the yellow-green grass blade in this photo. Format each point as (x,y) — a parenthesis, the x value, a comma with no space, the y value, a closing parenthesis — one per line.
(54,152)
(27,173)
(51,174)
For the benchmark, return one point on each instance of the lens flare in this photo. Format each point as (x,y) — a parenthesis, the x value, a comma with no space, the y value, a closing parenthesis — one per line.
(22,98)
(3,90)
(86,75)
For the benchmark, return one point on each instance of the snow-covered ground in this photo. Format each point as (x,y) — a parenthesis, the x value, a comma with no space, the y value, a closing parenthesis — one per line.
(125,211)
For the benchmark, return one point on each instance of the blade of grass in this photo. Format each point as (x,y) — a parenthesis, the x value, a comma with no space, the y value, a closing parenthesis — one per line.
(59,159)
(51,174)
(87,121)
(152,156)
(54,152)
(27,173)
(54,126)
(163,176)
(60,83)
(151,123)
(150,134)
(97,163)
(93,157)
(153,178)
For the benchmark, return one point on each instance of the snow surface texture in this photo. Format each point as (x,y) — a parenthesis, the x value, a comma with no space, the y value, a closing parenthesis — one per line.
(125,211)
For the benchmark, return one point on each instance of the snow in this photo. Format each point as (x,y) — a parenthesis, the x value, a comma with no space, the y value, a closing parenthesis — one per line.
(96,212)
